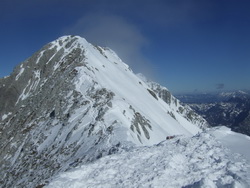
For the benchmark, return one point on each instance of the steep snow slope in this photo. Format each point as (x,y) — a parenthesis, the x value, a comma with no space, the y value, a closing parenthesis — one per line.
(72,103)
(199,161)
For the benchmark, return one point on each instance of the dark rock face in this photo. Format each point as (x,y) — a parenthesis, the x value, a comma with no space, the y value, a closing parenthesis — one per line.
(39,71)
(165,95)
(153,94)
(140,122)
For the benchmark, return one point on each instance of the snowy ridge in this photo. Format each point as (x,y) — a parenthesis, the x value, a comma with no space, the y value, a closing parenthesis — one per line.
(199,161)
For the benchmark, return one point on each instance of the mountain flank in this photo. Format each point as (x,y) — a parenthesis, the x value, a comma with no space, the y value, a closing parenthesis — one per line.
(72,103)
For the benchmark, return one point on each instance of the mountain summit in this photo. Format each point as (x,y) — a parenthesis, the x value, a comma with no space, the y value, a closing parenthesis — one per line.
(71,103)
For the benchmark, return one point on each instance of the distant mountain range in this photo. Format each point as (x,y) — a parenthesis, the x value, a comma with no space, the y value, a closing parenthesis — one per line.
(231,109)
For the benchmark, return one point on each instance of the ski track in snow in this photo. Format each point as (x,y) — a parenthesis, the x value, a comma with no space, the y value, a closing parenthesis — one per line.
(199,161)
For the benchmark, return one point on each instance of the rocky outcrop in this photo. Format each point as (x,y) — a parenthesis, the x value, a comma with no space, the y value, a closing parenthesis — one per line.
(156,90)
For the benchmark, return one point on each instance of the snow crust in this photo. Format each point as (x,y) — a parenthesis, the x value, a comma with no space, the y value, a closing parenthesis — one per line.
(198,161)
(237,142)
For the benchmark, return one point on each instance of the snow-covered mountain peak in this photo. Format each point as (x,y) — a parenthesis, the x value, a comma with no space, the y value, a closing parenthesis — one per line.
(71,103)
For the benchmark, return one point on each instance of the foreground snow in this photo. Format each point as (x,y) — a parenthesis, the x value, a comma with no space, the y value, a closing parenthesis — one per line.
(237,142)
(199,161)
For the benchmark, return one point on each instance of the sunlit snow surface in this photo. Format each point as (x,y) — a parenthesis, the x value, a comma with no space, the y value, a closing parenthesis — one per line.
(205,160)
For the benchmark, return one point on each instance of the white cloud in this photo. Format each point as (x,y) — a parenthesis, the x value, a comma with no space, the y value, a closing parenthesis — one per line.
(117,33)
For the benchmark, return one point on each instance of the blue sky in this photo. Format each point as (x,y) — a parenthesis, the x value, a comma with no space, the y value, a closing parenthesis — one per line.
(185,45)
